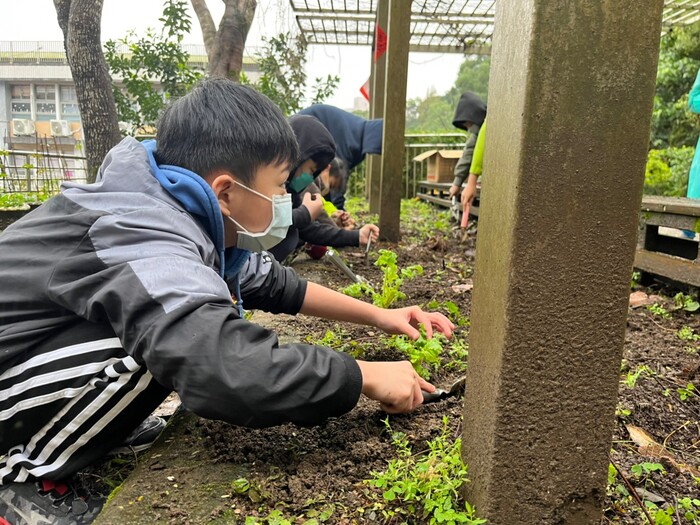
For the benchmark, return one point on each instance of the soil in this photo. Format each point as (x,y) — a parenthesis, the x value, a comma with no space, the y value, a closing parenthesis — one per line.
(317,473)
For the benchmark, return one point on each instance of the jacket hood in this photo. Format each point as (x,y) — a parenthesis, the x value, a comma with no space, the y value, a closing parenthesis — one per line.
(315,141)
(130,167)
(469,109)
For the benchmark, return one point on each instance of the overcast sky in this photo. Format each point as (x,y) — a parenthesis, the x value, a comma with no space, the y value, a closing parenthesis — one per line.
(36,20)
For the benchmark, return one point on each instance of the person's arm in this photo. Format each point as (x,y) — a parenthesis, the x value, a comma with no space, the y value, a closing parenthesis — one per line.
(469,192)
(320,301)
(267,285)
(463,164)
(328,234)
(149,275)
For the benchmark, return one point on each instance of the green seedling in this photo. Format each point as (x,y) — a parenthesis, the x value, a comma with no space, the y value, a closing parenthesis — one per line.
(393,278)
(633,376)
(659,310)
(423,488)
(642,472)
(685,302)
(687,334)
(687,392)
(423,353)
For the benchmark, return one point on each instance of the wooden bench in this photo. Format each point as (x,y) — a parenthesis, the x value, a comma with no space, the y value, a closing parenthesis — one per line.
(673,256)
(439,193)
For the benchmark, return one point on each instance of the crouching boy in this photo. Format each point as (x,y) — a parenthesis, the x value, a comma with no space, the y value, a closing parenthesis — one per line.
(119,292)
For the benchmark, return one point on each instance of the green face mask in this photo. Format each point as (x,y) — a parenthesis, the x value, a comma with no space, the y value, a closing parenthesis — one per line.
(298,184)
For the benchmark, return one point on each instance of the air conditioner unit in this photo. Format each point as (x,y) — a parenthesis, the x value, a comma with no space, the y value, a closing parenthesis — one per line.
(60,128)
(23,127)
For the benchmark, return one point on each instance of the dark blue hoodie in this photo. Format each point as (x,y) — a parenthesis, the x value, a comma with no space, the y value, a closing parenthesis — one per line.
(354,136)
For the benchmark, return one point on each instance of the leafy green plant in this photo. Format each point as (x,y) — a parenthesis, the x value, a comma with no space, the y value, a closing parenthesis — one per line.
(159,56)
(391,283)
(687,334)
(685,302)
(633,376)
(423,353)
(687,392)
(636,277)
(339,339)
(642,472)
(690,507)
(424,487)
(659,310)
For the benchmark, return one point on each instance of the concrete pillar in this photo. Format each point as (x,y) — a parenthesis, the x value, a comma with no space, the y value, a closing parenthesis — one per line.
(570,102)
(373,170)
(398,37)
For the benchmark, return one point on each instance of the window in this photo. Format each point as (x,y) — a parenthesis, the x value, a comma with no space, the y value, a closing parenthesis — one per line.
(69,104)
(45,100)
(20,103)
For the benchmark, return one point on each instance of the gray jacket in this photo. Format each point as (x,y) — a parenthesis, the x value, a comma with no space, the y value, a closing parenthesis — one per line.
(124,253)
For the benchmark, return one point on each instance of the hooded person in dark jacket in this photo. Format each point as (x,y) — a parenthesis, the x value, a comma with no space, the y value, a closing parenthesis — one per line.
(469,116)
(310,223)
(354,138)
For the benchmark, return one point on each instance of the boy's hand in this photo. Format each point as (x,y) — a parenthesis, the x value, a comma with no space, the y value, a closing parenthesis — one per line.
(469,191)
(343,220)
(396,385)
(367,231)
(406,321)
(454,190)
(313,203)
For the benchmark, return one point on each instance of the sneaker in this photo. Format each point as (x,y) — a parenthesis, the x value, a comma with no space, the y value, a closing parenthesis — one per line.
(142,437)
(47,502)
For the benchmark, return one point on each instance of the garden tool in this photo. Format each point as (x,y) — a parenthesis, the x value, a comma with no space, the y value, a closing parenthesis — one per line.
(456,388)
(337,260)
(456,208)
(369,243)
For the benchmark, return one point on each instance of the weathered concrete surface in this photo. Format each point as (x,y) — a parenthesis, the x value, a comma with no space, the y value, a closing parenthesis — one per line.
(179,463)
(570,103)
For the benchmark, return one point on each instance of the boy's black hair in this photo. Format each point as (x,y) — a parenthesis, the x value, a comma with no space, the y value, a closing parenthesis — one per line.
(223,125)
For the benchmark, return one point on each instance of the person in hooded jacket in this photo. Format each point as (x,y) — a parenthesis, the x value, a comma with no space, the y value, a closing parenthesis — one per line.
(317,150)
(119,292)
(469,115)
(354,136)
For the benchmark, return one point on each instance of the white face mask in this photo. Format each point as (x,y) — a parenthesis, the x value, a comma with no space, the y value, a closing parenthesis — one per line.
(275,232)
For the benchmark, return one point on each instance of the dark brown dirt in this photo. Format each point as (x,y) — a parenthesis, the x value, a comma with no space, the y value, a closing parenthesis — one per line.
(318,472)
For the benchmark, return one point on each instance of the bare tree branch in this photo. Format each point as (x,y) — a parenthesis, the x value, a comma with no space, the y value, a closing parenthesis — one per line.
(206,22)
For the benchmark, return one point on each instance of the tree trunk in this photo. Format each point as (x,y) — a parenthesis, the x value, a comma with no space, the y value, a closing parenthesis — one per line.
(225,45)
(80,22)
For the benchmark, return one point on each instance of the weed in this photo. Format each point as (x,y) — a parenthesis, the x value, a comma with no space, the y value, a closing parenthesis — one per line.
(659,310)
(685,302)
(622,412)
(424,487)
(690,507)
(687,334)
(339,339)
(632,377)
(458,353)
(391,283)
(642,472)
(636,277)
(687,392)
(423,353)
